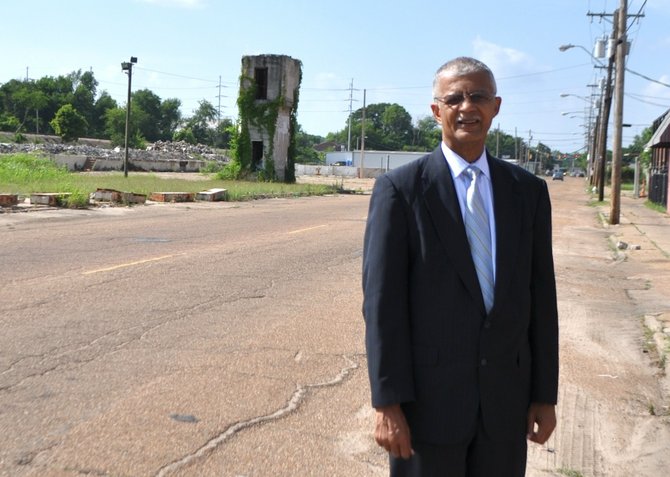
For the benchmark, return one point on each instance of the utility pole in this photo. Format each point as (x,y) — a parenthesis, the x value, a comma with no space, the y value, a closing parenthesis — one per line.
(591,173)
(362,169)
(516,146)
(621,46)
(605,115)
(218,111)
(620,18)
(351,99)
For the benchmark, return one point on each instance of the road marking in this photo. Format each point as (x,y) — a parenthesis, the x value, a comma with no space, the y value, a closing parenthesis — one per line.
(307,229)
(131,264)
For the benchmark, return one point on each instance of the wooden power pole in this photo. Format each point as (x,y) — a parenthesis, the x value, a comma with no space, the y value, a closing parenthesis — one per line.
(617,154)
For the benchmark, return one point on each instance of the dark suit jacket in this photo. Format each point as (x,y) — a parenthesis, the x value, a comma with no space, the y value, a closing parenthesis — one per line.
(431,345)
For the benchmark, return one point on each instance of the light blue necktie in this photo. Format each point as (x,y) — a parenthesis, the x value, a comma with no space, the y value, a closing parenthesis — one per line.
(479,234)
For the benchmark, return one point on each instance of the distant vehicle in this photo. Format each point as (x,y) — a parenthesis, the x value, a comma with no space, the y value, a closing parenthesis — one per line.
(577,173)
(557,176)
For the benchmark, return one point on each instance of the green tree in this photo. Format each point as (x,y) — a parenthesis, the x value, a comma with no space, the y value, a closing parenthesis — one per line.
(305,152)
(59,92)
(396,125)
(97,125)
(22,104)
(502,144)
(201,122)
(638,148)
(223,133)
(170,118)
(185,135)
(146,107)
(427,134)
(68,123)
(388,127)
(115,127)
(84,88)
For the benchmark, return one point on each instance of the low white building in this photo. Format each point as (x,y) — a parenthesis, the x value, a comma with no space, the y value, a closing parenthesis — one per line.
(380,160)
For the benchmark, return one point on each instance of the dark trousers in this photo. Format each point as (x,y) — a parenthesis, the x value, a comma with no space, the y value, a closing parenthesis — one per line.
(479,457)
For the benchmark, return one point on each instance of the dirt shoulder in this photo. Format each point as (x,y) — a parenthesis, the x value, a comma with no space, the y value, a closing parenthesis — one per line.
(613,405)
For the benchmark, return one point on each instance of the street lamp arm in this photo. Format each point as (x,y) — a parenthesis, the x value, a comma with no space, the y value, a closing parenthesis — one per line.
(570,45)
(565,95)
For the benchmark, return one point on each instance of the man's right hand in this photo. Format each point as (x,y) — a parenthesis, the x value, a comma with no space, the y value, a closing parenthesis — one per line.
(392,431)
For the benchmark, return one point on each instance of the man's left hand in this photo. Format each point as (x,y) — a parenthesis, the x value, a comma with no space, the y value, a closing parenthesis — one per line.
(544,415)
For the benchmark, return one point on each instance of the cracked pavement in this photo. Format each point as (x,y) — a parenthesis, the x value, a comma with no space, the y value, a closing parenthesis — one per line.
(211,340)
(200,352)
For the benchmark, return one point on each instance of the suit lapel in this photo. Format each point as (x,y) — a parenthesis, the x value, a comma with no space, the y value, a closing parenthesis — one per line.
(445,213)
(507,205)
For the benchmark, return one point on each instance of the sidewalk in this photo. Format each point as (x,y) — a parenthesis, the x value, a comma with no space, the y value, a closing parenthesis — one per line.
(647,222)
(643,236)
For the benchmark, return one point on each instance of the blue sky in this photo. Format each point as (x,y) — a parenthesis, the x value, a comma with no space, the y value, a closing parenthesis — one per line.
(389,48)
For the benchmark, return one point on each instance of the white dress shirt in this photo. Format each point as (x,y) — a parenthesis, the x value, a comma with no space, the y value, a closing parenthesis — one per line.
(457,165)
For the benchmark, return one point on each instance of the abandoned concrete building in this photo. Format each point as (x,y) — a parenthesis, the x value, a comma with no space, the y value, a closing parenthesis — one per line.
(269,88)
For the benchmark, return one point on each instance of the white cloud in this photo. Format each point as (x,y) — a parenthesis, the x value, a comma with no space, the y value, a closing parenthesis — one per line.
(503,61)
(658,90)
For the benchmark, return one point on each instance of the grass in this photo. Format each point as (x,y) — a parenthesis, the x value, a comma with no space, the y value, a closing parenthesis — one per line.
(628,186)
(570,472)
(24,174)
(656,207)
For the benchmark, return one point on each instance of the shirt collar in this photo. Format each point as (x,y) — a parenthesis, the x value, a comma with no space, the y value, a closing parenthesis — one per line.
(457,164)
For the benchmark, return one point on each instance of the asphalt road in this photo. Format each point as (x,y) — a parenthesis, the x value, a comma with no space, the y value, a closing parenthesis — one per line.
(227,340)
(184,340)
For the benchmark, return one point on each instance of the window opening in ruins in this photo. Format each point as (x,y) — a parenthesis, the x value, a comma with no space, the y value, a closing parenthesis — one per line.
(261,78)
(256,154)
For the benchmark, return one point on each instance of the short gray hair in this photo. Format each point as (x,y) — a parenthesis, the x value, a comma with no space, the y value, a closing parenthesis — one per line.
(463,65)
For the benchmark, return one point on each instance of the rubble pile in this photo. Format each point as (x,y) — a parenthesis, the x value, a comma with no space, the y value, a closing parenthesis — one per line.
(160,150)
(56,148)
(181,147)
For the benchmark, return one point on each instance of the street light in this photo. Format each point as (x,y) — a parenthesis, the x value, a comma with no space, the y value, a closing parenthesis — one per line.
(583,98)
(602,118)
(570,45)
(128,66)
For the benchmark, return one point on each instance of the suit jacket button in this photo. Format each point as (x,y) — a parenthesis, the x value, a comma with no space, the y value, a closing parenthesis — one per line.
(484,361)
(487,324)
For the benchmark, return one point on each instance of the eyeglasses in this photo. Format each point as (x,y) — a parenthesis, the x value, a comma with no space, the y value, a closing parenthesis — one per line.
(477,97)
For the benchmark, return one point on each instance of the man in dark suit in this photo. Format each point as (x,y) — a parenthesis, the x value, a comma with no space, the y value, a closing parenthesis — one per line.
(461,336)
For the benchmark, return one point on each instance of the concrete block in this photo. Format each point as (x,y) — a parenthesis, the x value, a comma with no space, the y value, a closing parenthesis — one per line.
(8,200)
(172,196)
(53,199)
(111,195)
(212,195)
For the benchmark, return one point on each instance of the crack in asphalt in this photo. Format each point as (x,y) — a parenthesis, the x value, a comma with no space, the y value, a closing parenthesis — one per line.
(73,357)
(292,404)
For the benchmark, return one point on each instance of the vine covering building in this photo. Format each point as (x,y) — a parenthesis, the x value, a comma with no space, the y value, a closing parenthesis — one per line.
(267,104)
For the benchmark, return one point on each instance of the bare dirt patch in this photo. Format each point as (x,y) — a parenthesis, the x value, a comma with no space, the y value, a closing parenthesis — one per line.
(613,412)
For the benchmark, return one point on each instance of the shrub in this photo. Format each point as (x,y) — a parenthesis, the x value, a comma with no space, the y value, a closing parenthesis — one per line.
(68,123)
(230,171)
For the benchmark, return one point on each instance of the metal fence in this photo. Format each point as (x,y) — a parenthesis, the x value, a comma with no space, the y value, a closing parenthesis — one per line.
(658,187)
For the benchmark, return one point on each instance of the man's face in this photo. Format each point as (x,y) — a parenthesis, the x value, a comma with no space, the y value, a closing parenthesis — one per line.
(465,122)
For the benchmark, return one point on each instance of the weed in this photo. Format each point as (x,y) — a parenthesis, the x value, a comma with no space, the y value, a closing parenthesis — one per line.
(212,167)
(570,472)
(649,343)
(655,207)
